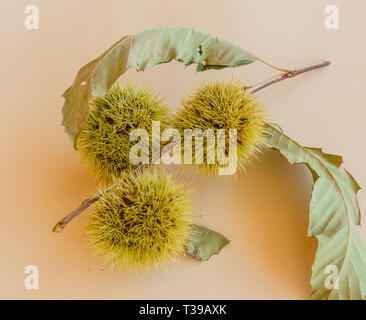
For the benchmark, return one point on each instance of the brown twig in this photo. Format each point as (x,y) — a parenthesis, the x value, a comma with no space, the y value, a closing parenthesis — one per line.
(290,74)
(86,203)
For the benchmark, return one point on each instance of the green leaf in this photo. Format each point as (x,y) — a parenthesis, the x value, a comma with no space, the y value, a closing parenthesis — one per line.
(204,243)
(142,51)
(334,214)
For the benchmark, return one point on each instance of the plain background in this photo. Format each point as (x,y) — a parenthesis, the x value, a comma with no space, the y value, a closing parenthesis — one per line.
(264,211)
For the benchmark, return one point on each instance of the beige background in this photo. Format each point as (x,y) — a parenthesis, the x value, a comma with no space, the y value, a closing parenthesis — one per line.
(264,212)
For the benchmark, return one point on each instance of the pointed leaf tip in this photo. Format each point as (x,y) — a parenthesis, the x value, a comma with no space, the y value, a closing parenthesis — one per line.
(204,243)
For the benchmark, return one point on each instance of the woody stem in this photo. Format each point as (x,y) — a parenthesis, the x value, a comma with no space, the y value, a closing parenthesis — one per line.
(87,202)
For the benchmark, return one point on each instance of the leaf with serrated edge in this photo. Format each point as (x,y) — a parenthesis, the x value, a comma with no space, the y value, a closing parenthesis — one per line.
(204,243)
(334,214)
(142,51)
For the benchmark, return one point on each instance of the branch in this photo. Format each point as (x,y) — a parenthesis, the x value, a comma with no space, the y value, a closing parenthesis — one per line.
(290,74)
(86,203)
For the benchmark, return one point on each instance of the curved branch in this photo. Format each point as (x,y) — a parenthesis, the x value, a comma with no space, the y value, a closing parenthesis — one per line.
(87,202)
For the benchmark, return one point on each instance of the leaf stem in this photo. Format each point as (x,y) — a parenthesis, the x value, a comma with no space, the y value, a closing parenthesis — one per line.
(272,66)
(87,202)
